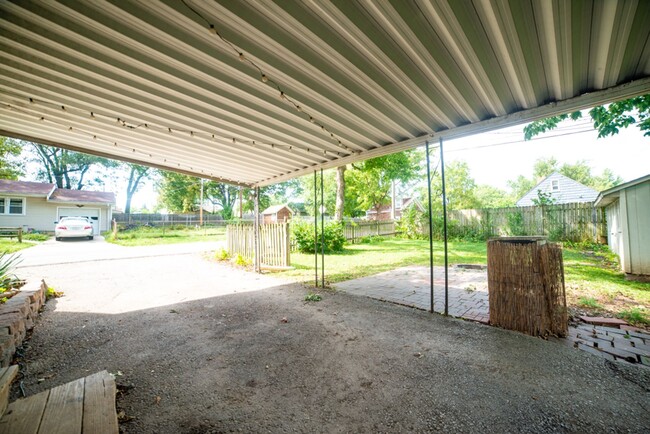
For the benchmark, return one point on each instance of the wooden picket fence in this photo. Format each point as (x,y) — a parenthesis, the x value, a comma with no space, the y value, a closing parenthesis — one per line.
(567,222)
(274,243)
(354,231)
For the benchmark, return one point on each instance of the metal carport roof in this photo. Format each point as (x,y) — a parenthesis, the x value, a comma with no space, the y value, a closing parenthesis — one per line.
(255,92)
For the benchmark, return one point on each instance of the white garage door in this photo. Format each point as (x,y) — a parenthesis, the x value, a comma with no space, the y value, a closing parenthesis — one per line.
(90,213)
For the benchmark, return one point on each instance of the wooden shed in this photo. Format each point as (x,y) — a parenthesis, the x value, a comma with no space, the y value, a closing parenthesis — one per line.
(627,208)
(277,214)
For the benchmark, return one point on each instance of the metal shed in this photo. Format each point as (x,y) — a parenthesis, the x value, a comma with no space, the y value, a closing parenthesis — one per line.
(627,207)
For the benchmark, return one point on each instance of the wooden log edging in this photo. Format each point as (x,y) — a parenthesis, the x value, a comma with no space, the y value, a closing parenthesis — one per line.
(17,316)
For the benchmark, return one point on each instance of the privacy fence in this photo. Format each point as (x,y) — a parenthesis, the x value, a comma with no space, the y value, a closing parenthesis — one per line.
(567,222)
(274,240)
(169,219)
(354,231)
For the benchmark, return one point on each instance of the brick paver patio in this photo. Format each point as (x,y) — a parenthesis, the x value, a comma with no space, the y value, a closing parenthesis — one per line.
(409,286)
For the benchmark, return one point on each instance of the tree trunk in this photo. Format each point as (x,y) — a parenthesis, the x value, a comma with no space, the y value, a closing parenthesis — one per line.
(340,193)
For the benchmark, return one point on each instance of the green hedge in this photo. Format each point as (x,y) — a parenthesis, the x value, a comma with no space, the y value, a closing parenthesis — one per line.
(303,234)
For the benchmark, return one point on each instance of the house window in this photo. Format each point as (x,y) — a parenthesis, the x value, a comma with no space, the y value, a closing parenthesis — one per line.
(14,206)
(555,185)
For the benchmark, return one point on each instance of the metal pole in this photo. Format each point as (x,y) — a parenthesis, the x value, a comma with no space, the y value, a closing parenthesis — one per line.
(444,226)
(256,231)
(322,230)
(201,207)
(430,225)
(315,232)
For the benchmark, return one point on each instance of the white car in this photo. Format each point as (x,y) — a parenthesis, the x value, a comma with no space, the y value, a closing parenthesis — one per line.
(73,227)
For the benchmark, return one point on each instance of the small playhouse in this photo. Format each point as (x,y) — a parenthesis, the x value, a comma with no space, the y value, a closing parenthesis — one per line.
(276,214)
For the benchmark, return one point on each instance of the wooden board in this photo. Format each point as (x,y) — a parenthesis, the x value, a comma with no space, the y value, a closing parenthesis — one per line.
(64,409)
(7,375)
(99,413)
(24,416)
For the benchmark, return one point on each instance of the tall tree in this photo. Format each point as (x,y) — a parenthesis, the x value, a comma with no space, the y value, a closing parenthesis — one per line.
(137,174)
(66,169)
(177,192)
(340,193)
(370,182)
(221,195)
(10,166)
(608,119)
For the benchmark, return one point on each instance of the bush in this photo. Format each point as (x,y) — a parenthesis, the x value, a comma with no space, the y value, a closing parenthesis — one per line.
(303,235)
(7,279)
(222,254)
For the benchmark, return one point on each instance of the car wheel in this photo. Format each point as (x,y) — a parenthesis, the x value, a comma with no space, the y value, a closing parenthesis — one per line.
(91,237)
(57,238)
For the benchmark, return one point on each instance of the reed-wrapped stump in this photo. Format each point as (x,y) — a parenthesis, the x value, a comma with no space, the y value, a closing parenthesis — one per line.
(526,286)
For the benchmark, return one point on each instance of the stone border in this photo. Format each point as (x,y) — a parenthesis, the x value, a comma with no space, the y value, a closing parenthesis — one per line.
(17,316)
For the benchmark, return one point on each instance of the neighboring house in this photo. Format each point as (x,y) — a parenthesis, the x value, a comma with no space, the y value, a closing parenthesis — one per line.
(385,211)
(37,205)
(276,214)
(627,208)
(560,189)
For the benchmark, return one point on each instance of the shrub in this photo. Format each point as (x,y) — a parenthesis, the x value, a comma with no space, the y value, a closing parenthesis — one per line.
(242,261)
(8,280)
(303,234)
(635,316)
(222,254)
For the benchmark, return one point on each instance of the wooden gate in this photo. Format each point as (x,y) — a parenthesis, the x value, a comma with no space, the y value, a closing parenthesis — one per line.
(274,243)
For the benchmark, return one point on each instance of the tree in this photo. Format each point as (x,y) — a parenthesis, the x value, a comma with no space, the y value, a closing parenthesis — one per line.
(66,169)
(370,182)
(177,192)
(136,174)
(340,193)
(488,196)
(221,195)
(10,167)
(608,120)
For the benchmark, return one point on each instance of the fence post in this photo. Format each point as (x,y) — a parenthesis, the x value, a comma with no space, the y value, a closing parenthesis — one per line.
(20,234)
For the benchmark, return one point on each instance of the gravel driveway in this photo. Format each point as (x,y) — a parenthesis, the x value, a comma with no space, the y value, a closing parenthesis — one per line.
(205,348)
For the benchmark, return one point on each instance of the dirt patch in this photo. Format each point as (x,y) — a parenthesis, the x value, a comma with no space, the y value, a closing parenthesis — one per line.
(228,362)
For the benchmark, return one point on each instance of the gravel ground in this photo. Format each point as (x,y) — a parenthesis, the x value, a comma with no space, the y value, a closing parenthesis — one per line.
(203,348)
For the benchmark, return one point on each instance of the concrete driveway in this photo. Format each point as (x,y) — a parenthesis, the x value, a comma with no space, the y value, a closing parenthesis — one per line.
(101,277)
(72,251)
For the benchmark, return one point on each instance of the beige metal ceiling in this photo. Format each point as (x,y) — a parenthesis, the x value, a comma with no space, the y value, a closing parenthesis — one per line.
(253,92)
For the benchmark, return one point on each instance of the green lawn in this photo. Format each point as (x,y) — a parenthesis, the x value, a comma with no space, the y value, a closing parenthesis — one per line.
(592,277)
(10,245)
(146,236)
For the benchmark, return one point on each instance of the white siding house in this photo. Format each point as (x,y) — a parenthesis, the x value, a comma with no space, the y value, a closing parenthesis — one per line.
(561,190)
(627,208)
(36,205)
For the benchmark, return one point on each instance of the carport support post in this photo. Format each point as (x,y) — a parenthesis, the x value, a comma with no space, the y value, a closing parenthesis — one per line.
(430,225)
(444,226)
(315,232)
(322,230)
(256,231)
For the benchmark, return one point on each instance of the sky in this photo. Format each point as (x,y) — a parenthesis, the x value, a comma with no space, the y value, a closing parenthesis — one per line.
(493,158)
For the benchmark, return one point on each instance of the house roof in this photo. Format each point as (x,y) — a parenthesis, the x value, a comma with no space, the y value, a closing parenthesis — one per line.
(53,194)
(610,195)
(257,92)
(82,196)
(570,191)
(25,188)
(275,209)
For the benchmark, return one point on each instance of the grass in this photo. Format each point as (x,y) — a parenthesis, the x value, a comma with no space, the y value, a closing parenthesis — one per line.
(148,236)
(593,280)
(359,260)
(10,245)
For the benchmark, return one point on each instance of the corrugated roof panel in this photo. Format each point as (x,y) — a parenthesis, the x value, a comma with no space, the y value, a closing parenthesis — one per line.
(279,89)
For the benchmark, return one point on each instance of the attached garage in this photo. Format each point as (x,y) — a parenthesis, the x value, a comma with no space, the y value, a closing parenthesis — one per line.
(92,214)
